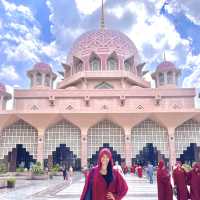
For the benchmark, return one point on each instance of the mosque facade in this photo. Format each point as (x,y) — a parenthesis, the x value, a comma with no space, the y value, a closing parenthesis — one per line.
(103,100)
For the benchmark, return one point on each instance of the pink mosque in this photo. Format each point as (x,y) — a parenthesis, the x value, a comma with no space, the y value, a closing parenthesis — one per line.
(102,101)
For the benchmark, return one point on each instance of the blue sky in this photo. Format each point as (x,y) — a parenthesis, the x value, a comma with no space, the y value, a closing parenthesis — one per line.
(44,30)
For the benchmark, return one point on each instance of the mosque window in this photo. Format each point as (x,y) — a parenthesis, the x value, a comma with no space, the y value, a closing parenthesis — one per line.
(112,64)
(31,77)
(38,79)
(47,80)
(170,77)
(161,78)
(95,64)
(127,66)
(78,67)
(104,85)
(78,64)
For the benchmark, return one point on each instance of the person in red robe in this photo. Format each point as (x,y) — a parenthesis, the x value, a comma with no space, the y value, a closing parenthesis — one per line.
(163,183)
(133,169)
(180,182)
(104,182)
(194,180)
(139,171)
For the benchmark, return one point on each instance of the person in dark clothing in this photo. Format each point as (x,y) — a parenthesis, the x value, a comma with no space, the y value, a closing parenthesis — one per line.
(64,170)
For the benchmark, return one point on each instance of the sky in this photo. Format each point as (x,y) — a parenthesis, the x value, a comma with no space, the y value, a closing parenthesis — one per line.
(44,30)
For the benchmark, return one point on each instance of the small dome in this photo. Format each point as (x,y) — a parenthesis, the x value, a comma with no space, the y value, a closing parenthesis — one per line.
(2,87)
(42,67)
(105,42)
(166,65)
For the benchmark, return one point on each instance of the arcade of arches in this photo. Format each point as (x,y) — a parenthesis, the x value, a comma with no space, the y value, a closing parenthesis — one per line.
(63,143)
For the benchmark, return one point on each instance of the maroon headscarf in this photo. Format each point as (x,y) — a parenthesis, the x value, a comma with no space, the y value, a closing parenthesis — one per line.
(161,164)
(108,153)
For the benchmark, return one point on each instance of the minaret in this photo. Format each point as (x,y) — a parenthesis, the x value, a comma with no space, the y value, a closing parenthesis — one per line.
(102,22)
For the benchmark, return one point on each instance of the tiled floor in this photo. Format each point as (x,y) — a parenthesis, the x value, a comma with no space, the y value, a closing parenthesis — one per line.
(57,189)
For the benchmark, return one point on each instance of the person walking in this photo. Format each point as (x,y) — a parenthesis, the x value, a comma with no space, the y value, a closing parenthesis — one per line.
(180,182)
(104,182)
(163,182)
(194,181)
(150,170)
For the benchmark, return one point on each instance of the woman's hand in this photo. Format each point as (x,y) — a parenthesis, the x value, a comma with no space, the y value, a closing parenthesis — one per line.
(110,196)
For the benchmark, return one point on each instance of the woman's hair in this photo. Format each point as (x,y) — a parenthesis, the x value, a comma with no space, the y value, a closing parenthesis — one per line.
(109,175)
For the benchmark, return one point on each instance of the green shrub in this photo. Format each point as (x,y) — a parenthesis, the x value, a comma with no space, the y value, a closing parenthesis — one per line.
(11,182)
(37,169)
(55,168)
(20,169)
(2,168)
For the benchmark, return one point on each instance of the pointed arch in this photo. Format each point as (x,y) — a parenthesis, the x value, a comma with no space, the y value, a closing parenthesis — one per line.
(77,64)
(106,131)
(63,132)
(129,63)
(95,62)
(20,132)
(112,62)
(149,131)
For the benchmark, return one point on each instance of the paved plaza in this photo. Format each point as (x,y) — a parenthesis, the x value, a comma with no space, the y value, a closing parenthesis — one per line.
(56,189)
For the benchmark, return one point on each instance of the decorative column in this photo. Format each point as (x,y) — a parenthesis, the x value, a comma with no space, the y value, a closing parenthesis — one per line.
(84,155)
(40,146)
(128,146)
(172,148)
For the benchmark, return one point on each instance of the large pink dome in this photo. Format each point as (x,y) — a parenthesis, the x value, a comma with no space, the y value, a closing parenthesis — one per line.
(103,42)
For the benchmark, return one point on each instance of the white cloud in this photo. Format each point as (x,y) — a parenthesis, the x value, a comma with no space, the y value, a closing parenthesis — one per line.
(12,8)
(8,73)
(88,7)
(192,63)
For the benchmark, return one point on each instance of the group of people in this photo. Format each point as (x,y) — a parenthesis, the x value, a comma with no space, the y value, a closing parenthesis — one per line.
(106,181)
(182,181)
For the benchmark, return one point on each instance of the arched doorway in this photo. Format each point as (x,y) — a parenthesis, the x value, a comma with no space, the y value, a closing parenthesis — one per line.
(20,137)
(115,155)
(149,142)
(187,141)
(65,157)
(62,145)
(19,157)
(105,134)
(149,153)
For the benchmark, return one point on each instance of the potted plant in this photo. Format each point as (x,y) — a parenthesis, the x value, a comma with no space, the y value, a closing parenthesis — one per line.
(38,172)
(11,182)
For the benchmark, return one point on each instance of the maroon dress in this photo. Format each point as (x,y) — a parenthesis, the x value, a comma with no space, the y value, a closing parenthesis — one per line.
(194,180)
(163,183)
(180,181)
(118,186)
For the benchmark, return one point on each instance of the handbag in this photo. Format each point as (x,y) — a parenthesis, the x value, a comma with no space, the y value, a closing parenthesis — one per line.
(88,194)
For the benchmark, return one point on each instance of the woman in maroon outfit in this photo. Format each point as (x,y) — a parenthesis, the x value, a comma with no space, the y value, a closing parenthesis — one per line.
(194,180)
(163,183)
(180,181)
(107,183)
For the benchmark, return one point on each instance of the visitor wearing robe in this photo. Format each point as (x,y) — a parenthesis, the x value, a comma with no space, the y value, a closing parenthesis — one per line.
(139,171)
(105,182)
(194,180)
(180,182)
(163,183)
